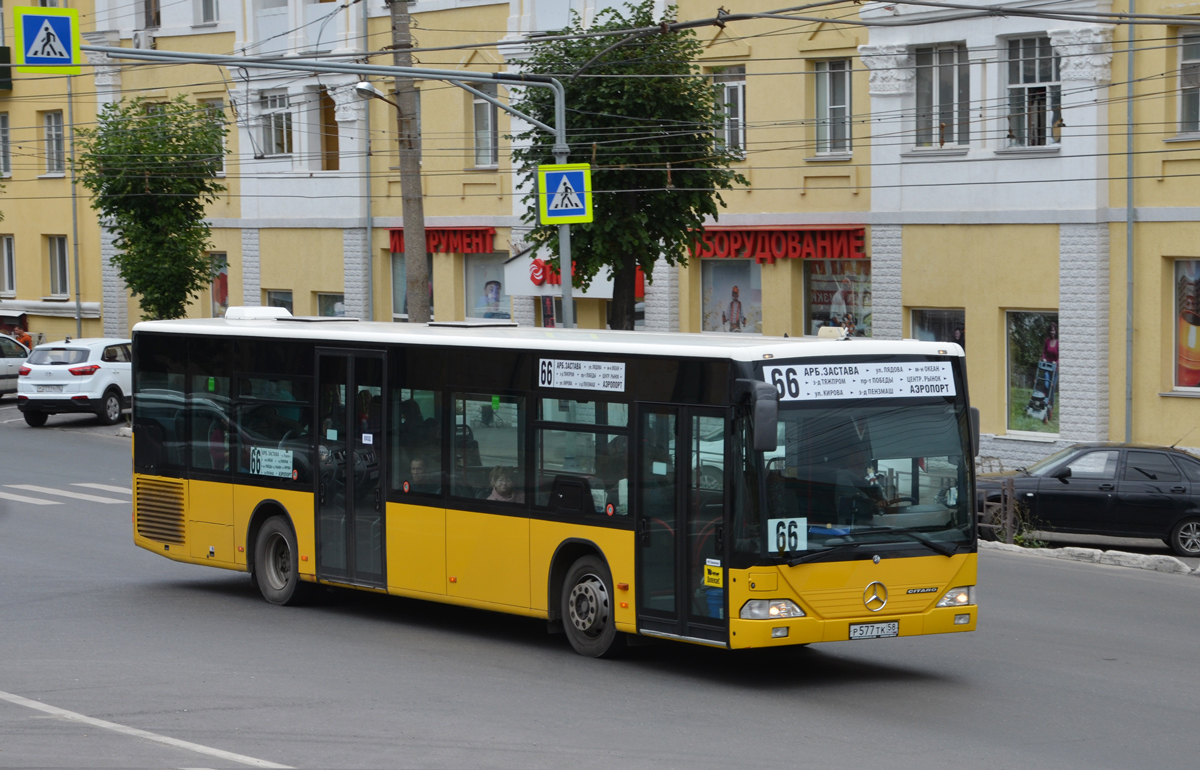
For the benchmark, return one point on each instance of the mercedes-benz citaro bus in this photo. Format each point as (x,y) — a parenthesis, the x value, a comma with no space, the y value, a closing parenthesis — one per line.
(728,490)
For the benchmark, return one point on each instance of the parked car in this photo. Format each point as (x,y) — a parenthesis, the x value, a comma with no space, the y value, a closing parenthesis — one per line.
(1122,490)
(85,375)
(12,356)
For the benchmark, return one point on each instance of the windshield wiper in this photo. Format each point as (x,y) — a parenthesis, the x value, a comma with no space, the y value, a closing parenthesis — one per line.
(945,549)
(817,555)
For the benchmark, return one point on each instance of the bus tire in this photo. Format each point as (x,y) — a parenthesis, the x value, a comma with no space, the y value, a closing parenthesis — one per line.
(276,564)
(587,609)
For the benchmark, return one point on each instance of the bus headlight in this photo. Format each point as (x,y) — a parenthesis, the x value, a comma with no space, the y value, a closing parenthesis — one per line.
(958,597)
(770,609)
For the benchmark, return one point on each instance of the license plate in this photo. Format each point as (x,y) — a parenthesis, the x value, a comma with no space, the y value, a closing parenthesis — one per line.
(874,630)
(49,388)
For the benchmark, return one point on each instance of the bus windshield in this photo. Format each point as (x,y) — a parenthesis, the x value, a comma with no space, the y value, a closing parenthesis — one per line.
(873,473)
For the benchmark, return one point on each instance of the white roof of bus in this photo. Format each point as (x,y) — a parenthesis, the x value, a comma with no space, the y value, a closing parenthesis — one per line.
(737,347)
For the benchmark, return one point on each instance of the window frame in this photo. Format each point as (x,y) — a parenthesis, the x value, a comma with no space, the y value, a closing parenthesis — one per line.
(277,124)
(53,135)
(486,154)
(824,75)
(60,272)
(216,108)
(8,266)
(945,59)
(1189,96)
(5,145)
(729,86)
(203,7)
(1021,125)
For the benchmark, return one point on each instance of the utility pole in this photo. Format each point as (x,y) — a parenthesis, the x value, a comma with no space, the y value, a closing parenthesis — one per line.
(415,267)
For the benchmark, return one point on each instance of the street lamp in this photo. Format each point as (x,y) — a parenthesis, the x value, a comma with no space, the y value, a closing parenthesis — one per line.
(369,91)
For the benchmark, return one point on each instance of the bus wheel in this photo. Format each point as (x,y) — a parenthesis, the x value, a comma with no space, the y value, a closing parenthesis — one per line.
(587,609)
(276,565)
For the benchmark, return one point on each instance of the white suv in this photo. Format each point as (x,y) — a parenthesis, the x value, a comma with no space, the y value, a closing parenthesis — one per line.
(88,375)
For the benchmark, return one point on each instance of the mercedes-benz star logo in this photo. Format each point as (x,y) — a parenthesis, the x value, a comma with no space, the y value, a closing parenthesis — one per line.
(875,596)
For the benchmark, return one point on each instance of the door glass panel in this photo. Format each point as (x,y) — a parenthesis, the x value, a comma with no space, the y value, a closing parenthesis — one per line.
(658,496)
(1094,465)
(331,451)
(368,446)
(706,508)
(1149,466)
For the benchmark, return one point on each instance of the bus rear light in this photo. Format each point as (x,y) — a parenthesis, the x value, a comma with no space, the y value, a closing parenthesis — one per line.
(770,609)
(84,371)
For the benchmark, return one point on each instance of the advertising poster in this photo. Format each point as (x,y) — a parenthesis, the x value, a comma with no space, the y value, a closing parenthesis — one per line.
(1033,372)
(220,289)
(731,296)
(940,326)
(485,293)
(839,294)
(1187,324)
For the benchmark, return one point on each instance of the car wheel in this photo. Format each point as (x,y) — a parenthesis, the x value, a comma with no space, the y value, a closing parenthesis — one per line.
(587,610)
(110,408)
(1185,538)
(276,565)
(35,419)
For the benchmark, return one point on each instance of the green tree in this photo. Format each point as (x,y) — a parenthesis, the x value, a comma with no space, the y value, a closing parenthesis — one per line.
(151,168)
(642,114)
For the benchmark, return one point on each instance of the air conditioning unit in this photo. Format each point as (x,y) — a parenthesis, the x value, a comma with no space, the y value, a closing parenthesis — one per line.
(143,38)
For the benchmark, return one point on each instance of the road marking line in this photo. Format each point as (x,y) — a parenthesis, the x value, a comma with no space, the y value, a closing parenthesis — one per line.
(64,493)
(24,499)
(177,743)
(105,488)
(19,419)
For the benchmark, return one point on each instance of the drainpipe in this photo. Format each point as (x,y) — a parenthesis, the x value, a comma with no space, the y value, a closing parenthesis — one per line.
(1129,215)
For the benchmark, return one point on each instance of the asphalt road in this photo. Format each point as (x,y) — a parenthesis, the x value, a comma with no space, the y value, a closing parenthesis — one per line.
(1074,666)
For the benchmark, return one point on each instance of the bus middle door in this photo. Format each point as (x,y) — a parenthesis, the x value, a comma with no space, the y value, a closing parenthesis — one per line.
(681,523)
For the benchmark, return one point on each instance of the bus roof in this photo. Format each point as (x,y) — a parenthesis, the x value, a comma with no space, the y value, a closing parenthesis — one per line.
(736,347)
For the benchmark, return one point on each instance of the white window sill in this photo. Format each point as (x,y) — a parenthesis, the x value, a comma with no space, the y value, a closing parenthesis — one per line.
(482,168)
(1189,137)
(832,157)
(57,298)
(206,25)
(54,175)
(1019,435)
(8,295)
(923,153)
(1181,394)
(285,156)
(1029,152)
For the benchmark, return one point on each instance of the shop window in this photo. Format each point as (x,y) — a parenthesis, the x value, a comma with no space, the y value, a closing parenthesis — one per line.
(331,305)
(1189,84)
(485,293)
(833,106)
(486,448)
(839,294)
(1187,323)
(730,100)
(400,286)
(1033,372)
(277,298)
(731,295)
(220,284)
(943,96)
(940,326)
(487,151)
(1034,93)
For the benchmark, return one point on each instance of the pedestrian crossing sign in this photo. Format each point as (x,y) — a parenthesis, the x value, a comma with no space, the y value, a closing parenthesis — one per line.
(47,40)
(564,193)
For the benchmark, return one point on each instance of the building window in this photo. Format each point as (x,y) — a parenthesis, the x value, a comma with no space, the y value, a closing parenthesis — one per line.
(47,3)
(943,96)
(327,130)
(833,106)
(220,284)
(8,268)
(940,326)
(1189,84)
(731,108)
(216,110)
(1034,93)
(838,293)
(59,285)
(1187,323)
(151,17)
(277,124)
(485,293)
(400,286)
(331,305)
(55,157)
(281,299)
(207,12)
(487,151)
(1033,372)
(5,146)
(731,295)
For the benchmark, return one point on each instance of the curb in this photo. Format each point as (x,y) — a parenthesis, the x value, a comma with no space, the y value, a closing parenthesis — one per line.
(126,432)
(1155,562)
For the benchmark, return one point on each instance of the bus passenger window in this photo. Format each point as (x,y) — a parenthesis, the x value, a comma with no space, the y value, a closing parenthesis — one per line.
(416,436)
(273,416)
(209,415)
(159,416)
(597,459)
(487,448)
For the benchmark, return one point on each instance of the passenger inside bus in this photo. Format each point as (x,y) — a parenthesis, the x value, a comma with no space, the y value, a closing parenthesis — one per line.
(504,488)
(426,477)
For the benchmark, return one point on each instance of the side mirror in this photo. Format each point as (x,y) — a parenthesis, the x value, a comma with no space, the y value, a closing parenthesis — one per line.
(764,411)
(1062,474)
(974,431)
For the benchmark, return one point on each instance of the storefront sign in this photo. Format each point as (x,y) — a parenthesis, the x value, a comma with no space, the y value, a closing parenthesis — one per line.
(530,274)
(770,244)
(451,240)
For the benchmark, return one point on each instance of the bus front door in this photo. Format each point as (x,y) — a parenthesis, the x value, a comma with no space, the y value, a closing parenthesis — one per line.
(350,449)
(681,523)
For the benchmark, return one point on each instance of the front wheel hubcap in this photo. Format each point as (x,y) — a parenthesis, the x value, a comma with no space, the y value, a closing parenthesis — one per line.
(112,408)
(588,605)
(279,562)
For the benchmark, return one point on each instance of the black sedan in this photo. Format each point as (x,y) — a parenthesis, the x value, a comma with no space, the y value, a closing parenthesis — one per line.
(1122,490)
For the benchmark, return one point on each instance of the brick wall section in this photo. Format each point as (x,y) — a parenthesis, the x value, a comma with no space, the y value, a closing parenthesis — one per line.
(525,310)
(1083,332)
(251,270)
(354,262)
(662,299)
(887,303)
(113,289)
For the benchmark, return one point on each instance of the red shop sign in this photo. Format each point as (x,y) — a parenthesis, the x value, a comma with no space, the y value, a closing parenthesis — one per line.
(450,240)
(771,243)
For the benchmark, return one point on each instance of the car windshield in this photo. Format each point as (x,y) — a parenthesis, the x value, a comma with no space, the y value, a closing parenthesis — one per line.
(891,472)
(58,356)
(1047,464)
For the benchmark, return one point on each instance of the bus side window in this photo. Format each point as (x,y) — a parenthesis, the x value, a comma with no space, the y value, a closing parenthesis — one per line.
(160,423)
(486,448)
(416,435)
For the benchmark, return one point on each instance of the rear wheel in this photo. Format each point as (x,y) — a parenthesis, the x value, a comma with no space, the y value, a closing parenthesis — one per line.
(1185,538)
(110,408)
(587,609)
(276,565)
(35,419)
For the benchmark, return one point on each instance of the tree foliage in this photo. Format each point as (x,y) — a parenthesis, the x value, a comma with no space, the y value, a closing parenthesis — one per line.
(151,168)
(643,116)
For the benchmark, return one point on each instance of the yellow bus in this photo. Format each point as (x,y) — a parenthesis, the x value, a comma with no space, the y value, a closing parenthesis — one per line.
(728,490)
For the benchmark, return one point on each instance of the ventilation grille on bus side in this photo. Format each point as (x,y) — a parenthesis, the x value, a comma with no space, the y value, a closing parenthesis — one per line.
(160,510)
